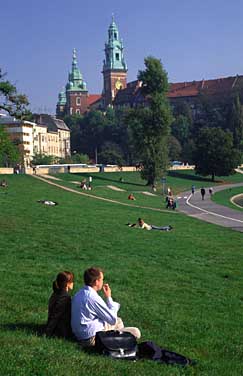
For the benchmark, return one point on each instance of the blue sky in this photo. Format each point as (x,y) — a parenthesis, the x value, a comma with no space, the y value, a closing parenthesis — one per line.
(194,39)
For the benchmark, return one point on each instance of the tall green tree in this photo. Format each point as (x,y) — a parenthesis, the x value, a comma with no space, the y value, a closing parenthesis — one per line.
(9,154)
(214,153)
(236,122)
(10,100)
(151,124)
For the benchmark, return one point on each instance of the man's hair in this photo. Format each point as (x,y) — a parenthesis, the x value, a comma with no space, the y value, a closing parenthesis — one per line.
(91,275)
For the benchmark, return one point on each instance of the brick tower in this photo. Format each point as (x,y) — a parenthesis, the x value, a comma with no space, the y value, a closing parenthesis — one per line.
(73,100)
(114,66)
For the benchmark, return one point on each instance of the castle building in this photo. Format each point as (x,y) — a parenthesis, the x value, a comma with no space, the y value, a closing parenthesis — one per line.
(75,99)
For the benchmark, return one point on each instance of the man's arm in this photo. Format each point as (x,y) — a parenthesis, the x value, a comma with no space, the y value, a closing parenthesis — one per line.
(105,311)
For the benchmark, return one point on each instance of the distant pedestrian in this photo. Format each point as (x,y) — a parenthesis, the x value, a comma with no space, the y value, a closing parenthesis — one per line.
(203,193)
(193,189)
(210,191)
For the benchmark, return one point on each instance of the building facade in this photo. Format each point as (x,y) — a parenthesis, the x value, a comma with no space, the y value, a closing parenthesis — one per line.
(45,135)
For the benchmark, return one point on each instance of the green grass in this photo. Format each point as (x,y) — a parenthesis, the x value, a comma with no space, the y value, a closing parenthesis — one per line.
(223,197)
(183,288)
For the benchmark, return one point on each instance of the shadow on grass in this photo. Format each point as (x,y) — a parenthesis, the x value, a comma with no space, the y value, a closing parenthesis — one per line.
(37,329)
(29,328)
(177,174)
(111,180)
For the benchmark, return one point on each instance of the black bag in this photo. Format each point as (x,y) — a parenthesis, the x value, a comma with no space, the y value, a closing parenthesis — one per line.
(149,350)
(118,345)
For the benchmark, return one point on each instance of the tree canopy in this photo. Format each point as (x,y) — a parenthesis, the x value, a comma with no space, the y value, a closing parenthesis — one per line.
(10,100)
(150,124)
(214,153)
(9,153)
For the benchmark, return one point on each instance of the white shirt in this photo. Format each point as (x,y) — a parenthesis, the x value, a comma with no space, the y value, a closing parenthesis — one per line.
(90,313)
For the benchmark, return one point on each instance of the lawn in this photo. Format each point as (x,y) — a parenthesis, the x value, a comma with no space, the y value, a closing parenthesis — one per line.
(182,288)
(223,197)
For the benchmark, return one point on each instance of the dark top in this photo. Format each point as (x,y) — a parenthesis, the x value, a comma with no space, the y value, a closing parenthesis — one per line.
(59,315)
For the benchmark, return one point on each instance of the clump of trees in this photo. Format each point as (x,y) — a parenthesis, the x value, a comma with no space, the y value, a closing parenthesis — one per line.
(14,104)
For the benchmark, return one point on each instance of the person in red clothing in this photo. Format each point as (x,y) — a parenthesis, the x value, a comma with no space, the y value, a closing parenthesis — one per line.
(59,308)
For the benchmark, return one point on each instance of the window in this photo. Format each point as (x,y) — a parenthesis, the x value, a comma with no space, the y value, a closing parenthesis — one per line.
(115,35)
(78,101)
(117,56)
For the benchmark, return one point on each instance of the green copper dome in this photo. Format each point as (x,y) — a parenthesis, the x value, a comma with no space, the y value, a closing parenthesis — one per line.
(62,98)
(114,58)
(75,78)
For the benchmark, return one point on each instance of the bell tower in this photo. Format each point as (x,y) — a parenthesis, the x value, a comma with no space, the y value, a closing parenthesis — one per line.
(114,65)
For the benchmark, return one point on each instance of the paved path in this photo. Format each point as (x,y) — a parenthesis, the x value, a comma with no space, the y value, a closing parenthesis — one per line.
(207,210)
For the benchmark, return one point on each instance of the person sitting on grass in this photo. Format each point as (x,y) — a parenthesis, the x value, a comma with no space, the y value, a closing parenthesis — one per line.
(91,314)
(141,224)
(59,307)
(131,197)
(3,183)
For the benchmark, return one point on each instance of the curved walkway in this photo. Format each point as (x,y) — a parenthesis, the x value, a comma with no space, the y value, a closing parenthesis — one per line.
(207,210)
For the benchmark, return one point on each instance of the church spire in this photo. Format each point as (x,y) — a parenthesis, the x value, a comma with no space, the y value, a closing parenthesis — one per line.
(75,78)
(114,56)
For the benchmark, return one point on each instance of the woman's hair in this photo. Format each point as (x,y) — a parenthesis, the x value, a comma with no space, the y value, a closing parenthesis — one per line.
(91,275)
(62,280)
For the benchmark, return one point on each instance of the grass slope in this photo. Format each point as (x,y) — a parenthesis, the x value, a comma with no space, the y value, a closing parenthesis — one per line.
(223,197)
(183,289)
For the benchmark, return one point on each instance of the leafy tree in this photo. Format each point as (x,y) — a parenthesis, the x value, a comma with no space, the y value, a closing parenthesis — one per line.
(174,148)
(214,154)
(9,154)
(80,158)
(10,101)
(150,125)
(111,153)
(236,122)
(43,159)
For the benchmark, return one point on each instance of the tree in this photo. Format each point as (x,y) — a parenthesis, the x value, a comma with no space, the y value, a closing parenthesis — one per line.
(43,159)
(174,148)
(150,125)
(111,153)
(10,101)
(214,153)
(9,154)
(236,123)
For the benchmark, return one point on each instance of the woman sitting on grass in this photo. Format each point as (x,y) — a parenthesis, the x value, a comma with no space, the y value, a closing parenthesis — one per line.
(59,308)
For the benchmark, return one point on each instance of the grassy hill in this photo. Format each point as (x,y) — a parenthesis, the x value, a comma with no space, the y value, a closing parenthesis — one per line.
(182,288)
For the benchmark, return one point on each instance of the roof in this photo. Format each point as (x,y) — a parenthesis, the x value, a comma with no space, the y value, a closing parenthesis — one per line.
(132,93)
(92,98)
(51,122)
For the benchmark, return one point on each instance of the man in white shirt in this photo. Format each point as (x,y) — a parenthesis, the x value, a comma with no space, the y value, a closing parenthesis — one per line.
(90,313)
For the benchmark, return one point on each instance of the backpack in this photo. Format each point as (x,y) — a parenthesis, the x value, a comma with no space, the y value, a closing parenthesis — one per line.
(149,350)
(116,344)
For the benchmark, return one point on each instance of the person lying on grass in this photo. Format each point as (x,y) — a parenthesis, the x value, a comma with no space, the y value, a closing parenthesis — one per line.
(141,224)
(59,308)
(91,314)
(48,202)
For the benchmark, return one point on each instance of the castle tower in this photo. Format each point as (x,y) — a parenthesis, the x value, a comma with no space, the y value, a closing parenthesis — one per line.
(114,65)
(74,99)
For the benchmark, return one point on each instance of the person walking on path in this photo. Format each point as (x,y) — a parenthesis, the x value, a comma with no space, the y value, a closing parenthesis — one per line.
(210,191)
(193,189)
(203,193)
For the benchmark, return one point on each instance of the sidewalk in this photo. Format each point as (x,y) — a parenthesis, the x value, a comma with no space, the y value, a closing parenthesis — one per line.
(209,211)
